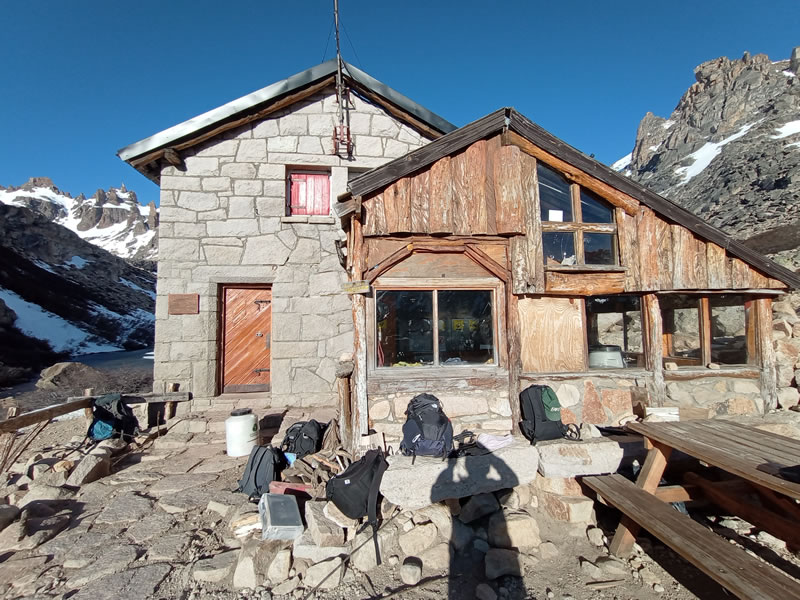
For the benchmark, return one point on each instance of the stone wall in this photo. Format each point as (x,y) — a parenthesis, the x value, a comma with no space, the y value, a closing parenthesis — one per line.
(477,409)
(223,221)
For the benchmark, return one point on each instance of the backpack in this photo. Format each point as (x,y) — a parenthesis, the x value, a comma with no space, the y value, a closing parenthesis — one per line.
(427,430)
(263,466)
(354,491)
(303,438)
(111,417)
(541,416)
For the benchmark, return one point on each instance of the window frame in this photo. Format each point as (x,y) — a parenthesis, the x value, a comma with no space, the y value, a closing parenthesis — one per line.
(588,326)
(434,285)
(301,171)
(578,228)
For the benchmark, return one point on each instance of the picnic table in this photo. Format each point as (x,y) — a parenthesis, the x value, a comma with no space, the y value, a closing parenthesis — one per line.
(753,461)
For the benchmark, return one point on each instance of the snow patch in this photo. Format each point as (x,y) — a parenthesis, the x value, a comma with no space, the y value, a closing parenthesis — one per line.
(793,145)
(667,124)
(653,148)
(133,286)
(43,265)
(149,356)
(790,128)
(702,158)
(788,73)
(623,162)
(76,261)
(62,335)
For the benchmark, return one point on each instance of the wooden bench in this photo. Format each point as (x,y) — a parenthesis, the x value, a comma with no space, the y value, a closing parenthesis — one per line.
(731,567)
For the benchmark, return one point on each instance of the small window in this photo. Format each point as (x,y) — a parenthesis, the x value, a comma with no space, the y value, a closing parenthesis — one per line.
(614,332)
(578,227)
(309,193)
(680,317)
(728,330)
(406,336)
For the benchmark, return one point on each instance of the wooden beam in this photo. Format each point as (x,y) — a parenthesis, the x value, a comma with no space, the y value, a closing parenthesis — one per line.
(486,261)
(651,330)
(608,193)
(351,206)
(387,263)
(766,353)
(584,284)
(705,330)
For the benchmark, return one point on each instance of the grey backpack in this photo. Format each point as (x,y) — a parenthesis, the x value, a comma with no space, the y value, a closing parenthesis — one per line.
(263,467)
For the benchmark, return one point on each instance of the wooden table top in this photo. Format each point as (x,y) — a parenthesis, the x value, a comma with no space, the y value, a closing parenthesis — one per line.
(750,453)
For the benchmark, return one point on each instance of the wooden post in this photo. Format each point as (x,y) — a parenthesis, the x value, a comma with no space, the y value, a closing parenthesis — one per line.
(514,357)
(88,413)
(359,423)
(705,330)
(648,480)
(766,353)
(651,327)
(169,408)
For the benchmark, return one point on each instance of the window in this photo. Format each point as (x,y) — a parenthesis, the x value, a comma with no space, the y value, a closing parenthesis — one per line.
(406,335)
(680,317)
(578,227)
(309,193)
(728,330)
(614,332)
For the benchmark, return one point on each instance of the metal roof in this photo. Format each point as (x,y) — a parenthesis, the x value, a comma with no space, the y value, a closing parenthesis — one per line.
(263,96)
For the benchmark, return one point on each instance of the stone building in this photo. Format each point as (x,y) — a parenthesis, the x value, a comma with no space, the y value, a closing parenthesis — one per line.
(250,292)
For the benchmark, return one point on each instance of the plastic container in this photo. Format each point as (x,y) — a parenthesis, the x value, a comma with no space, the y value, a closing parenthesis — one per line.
(280,517)
(241,432)
(608,357)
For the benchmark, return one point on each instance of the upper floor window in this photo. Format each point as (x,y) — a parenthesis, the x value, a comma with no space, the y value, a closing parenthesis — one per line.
(578,227)
(309,193)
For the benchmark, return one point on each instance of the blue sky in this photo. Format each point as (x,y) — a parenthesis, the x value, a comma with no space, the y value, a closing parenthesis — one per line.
(83,78)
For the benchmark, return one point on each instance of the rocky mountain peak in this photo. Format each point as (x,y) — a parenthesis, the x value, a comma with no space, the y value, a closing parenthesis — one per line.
(730,151)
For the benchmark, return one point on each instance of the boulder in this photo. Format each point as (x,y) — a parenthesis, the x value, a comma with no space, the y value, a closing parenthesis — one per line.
(514,531)
(92,467)
(571,459)
(485,592)
(214,569)
(436,559)
(324,532)
(325,575)
(572,509)
(432,480)
(7,515)
(67,375)
(46,494)
(331,511)
(411,571)
(501,562)
(478,506)
(418,539)
(279,567)
(304,547)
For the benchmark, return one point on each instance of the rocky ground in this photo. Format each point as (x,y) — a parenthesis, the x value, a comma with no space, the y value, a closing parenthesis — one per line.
(160,521)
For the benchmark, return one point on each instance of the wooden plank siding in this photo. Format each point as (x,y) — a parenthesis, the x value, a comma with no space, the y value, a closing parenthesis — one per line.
(490,188)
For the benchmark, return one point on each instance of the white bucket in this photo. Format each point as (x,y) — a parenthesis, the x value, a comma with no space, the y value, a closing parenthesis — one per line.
(241,432)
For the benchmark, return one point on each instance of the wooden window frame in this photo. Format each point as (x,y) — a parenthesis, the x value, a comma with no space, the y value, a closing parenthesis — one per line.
(305,171)
(588,325)
(578,228)
(433,285)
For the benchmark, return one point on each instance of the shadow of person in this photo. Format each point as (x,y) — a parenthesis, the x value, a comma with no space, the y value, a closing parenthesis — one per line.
(480,544)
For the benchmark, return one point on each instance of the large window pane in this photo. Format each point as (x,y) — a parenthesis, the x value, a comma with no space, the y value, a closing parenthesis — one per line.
(614,332)
(594,210)
(466,333)
(728,333)
(559,248)
(405,328)
(554,195)
(598,249)
(681,325)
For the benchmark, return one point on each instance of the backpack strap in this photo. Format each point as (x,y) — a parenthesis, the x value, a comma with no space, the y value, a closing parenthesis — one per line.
(372,500)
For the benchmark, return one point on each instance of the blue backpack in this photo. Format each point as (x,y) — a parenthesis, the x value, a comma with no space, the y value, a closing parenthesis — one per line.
(427,430)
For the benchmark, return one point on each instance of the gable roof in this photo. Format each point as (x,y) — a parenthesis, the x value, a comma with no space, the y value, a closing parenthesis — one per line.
(508,119)
(259,103)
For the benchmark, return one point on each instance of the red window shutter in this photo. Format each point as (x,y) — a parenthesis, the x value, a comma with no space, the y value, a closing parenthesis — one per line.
(310,194)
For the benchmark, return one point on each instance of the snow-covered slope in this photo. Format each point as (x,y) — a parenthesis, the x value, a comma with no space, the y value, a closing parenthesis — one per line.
(61,295)
(113,220)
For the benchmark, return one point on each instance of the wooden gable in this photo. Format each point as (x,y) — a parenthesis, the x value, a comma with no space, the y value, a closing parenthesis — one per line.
(489,188)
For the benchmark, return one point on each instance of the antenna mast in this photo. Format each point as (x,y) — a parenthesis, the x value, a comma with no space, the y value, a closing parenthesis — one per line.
(341,132)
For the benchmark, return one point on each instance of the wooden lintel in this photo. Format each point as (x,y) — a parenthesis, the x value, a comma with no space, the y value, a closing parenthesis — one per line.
(745,373)
(487,262)
(612,195)
(395,257)
(352,206)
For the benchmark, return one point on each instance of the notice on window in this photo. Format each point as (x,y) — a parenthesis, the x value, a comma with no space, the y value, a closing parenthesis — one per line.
(458,324)
(555,215)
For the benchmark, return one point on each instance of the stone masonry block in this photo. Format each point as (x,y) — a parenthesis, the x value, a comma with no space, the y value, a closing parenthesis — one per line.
(191,184)
(570,459)
(572,509)
(219,148)
(293,125)
(233,227)
(186,230)
(238,170)
(265,249)
(248,187)
(200,201)
(241,207)
(216,184)
(180,249)
(321,125)
(431,480)
(222,255)
(284,143)
(383,126)
(368,146)
(310,145)
(171,214)
(272,171)
(201,165)
(286,327)
(252,151)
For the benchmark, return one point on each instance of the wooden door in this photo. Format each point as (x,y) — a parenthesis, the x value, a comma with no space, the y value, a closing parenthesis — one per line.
(246,339)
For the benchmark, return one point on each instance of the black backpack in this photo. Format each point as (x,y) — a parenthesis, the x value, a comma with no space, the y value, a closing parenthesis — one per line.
(354,491)
(427,430)
(111,417)
(303,438)
(541,416)
(263,466)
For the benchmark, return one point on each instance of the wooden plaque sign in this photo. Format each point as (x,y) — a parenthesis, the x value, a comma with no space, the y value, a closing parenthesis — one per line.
(183,304)
(356,287)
